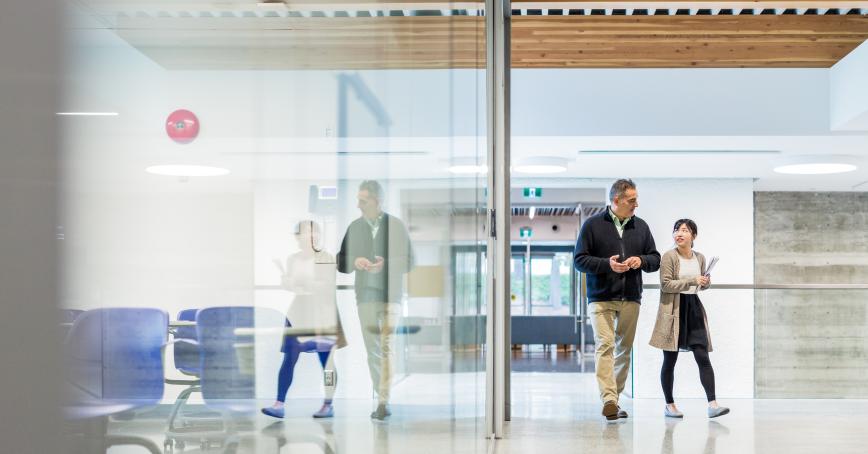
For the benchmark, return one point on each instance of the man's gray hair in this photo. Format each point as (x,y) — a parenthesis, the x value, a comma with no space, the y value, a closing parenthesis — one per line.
(373,187)
(620,187)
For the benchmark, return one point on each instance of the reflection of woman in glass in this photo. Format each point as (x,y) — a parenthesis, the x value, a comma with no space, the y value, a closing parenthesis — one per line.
(310,275)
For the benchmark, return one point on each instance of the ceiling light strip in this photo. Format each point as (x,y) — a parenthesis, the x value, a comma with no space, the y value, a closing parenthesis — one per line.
(87,114)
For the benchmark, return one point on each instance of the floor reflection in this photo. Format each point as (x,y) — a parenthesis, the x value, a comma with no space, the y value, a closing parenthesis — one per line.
(551,413)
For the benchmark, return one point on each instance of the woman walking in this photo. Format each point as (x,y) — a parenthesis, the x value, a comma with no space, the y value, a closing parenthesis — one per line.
(682,324)
(310,275)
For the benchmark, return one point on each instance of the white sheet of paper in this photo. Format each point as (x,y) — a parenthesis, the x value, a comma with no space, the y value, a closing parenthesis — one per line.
(711,264)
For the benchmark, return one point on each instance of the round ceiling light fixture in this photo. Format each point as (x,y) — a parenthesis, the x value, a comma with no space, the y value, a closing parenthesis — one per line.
(467,165)
(181,170)
(541,164)
(816,165)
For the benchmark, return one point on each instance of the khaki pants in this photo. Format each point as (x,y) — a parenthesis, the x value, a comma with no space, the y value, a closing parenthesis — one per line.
(614,325)
(379,322)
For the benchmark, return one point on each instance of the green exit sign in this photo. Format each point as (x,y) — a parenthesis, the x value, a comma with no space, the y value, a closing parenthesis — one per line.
(525,232)
(532,193)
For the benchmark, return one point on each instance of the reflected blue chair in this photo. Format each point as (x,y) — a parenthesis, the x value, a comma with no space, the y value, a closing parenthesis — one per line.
(186,359)
(226,386)
(67,317)
(113,360)
(187,354)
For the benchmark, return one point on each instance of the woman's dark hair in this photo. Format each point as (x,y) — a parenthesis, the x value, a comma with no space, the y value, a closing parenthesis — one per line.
(690,226)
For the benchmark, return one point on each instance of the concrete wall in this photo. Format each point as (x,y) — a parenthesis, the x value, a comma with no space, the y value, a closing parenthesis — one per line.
(811,343)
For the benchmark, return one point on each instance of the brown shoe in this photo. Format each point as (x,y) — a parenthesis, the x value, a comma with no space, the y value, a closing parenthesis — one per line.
(622,414)
(610,411)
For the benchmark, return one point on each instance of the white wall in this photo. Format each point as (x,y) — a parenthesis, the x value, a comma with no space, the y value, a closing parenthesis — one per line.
(723,212)
(186,250)
(848,91)
(660,102)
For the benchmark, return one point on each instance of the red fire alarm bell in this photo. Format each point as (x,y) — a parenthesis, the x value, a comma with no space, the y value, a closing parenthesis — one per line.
(182,126)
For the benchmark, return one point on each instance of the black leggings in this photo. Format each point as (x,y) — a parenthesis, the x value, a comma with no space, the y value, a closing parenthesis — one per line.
(706,373)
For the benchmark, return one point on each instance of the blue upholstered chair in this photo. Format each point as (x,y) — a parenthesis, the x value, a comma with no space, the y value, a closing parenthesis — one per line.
(113,361)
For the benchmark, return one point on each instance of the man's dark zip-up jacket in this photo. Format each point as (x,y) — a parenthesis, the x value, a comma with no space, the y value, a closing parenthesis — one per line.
(598,240)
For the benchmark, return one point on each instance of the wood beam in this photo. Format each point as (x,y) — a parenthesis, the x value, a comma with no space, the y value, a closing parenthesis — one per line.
(457,41)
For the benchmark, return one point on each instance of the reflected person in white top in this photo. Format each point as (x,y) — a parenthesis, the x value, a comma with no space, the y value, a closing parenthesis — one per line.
(310,275)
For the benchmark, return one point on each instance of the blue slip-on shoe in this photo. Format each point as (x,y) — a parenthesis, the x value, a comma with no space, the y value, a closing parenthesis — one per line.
(273,412)
(327,411)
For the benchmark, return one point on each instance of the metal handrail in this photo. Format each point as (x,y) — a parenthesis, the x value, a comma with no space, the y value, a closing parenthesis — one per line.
(713,286)
(777,286)
(278,287)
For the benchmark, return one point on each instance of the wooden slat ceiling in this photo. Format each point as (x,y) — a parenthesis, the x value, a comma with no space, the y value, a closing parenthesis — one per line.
(670,38)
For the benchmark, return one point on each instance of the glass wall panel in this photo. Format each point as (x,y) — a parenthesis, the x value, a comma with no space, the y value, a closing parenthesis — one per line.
(740,142)
(518,284)
(273,225)
(551,290)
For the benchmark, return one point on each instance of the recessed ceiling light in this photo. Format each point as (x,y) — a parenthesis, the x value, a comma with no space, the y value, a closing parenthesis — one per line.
(187,170)
(678,152)
(816,165)
(465,169)
(467,165)
(819,168)
(88,114)
(541,164)
(272,5)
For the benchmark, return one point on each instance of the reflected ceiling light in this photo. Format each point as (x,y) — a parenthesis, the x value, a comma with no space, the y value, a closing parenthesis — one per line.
(531,213)
(816,165)
(464,166)
(88,114)
(187,170)
(272,5)
(541,164)
(679,152)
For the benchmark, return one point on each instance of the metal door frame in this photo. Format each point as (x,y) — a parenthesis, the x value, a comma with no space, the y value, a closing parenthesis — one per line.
(497,34)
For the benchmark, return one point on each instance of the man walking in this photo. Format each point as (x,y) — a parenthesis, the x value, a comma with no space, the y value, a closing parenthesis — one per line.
(377,248)
(613,249)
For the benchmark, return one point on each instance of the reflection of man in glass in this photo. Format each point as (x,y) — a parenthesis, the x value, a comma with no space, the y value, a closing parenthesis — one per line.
(377,247)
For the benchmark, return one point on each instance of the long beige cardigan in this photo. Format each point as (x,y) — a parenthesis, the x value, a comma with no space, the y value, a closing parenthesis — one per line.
(665,334)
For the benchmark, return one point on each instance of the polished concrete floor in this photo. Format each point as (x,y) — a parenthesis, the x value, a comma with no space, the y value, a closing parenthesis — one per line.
(551,413)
